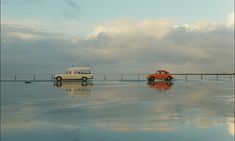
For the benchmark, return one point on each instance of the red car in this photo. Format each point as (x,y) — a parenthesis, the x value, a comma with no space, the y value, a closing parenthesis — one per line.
(160,74)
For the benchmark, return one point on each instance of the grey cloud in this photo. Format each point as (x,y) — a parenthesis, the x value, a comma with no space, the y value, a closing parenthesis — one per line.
(181,50)
(72,4)
(73,9)
(70,9)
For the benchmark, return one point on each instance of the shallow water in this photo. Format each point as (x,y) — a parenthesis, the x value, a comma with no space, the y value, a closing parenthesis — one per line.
(118,110)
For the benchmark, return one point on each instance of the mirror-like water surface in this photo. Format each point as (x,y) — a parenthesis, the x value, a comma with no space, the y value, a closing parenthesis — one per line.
(118,110)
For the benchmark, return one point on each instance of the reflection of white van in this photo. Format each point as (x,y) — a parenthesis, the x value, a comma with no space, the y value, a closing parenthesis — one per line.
(75,73)
(75,88)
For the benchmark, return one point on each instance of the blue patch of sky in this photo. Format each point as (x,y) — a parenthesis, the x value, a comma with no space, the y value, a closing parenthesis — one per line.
(89,13)
(187,10)
(106,9)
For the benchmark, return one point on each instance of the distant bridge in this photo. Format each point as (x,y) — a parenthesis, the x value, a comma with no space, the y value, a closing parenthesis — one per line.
(203,73)
(107,76)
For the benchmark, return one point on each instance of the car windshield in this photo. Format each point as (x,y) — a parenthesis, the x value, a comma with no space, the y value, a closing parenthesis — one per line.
(162,72)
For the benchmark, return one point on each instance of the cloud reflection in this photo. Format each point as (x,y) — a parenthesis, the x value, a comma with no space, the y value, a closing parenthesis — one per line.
(124,107)
(231,124)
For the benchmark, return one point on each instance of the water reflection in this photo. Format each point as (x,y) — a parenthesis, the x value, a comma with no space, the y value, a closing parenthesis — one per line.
(75,88)
(160,85)
(231,124)
(119,111)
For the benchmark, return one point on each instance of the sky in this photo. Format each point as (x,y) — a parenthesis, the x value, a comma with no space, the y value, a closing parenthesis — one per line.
(119,36)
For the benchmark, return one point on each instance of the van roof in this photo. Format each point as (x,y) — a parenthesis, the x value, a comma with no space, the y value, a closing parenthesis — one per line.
(79,68)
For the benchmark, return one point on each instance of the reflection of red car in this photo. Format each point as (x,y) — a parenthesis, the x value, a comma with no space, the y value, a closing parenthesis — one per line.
(161,85)
(161,74)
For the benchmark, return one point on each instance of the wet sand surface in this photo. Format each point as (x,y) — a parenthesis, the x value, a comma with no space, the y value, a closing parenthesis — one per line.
(179,110)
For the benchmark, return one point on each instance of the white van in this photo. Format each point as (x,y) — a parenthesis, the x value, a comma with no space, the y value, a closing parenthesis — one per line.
(75,73)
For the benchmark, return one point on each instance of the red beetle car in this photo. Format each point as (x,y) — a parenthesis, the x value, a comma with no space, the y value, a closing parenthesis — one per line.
(160,74)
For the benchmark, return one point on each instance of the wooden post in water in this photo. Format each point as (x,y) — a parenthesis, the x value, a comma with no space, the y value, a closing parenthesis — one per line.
(104,77)
(217,77)
(138,76)
(201,77)
(186,77)
(15,77)
(121,76)
(34,77)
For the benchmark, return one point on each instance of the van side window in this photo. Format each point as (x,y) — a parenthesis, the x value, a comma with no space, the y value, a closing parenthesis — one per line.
(77,72)
(85,71)
(67,72)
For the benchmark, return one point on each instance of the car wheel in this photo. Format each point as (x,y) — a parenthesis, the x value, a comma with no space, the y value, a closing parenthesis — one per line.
(169,83)
(58,78)
(151,79)
(168,78)
(84,78)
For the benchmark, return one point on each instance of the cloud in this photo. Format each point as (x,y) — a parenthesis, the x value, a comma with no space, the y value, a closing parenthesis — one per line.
(23,36)
(231,125)
(72,4)
(124,46)
(132,29)
(72,9)
(202,26)
(34,2)
(231,20)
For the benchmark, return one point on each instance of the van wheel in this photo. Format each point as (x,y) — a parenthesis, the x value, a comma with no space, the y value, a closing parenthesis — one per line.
(84,84)
(151,79)
(84,78)
(58,78)
(59,84)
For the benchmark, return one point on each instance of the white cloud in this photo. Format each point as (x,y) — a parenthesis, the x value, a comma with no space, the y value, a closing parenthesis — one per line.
(127,27)
(180,67)
(231,122)
(231,20)
(201,26)
(23,36)
(137,46)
